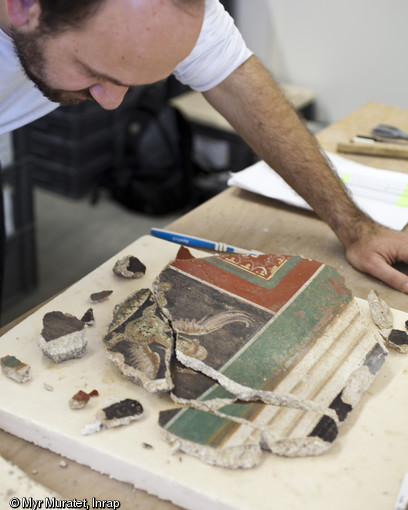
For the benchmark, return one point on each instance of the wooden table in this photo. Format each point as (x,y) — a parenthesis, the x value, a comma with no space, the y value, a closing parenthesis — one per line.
(249,221)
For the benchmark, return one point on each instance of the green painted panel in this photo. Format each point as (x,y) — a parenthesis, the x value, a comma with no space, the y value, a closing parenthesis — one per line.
(262,364)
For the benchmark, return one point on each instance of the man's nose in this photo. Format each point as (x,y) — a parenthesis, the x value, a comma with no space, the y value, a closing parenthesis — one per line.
(108,95)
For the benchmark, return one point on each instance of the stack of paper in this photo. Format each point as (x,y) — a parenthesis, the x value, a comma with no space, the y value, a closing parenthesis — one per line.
(381,194)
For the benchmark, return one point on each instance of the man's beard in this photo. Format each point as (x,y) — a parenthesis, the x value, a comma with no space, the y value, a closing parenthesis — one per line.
(29,51)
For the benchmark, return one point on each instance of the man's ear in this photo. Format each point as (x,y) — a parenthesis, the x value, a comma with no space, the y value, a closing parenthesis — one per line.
(23,13)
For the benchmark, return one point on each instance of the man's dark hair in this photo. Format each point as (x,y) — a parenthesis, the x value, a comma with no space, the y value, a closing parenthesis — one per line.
(58,15)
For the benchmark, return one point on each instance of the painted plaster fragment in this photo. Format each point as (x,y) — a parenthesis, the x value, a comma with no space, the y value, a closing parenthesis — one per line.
(16,369)
(380,311)
(129,267)
(139,342)
(121,413)
(397,340)
(116,414)
(245,455)
(81,398)
(259,346)
(63,336)
(184,253)
(88,317)
(99,297)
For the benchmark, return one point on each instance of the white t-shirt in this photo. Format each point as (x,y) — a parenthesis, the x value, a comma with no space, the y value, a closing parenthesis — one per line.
(20,101)
(220,49)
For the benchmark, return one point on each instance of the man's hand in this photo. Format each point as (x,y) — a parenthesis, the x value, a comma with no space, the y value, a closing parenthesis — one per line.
(375,252)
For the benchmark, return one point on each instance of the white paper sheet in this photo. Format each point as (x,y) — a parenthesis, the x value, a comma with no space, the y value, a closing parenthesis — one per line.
(381,194)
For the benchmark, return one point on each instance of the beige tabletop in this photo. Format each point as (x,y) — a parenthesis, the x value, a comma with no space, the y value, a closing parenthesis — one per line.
(250,221)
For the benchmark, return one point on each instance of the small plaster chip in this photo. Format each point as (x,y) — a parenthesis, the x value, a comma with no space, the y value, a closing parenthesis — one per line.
(63,337)
(398,340)
(81,398)
(115,414)
(16,369)
(129,267)
(98,297)
(88,317)
(120,413)
(380,311)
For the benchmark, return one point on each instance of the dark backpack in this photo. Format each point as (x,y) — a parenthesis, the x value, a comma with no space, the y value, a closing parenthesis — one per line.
(155,172)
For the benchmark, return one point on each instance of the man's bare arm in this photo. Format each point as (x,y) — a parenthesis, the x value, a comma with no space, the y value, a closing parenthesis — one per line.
(251,101)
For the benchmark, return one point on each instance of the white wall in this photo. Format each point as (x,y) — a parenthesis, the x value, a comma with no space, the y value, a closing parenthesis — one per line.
(348,52)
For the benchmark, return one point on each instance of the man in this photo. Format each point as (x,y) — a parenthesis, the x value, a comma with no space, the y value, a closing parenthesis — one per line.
(95,49)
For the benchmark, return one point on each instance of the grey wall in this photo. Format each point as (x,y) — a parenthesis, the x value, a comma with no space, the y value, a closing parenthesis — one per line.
(348,52)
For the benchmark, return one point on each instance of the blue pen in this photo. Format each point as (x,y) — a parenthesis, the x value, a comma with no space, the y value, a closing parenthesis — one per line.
(197,242)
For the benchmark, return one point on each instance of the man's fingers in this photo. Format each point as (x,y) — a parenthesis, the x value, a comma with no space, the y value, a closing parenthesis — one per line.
(382,270)
(395,279)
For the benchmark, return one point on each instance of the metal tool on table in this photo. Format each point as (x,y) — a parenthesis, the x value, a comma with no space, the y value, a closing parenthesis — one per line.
(386,140)
(369,139)
(387,131)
